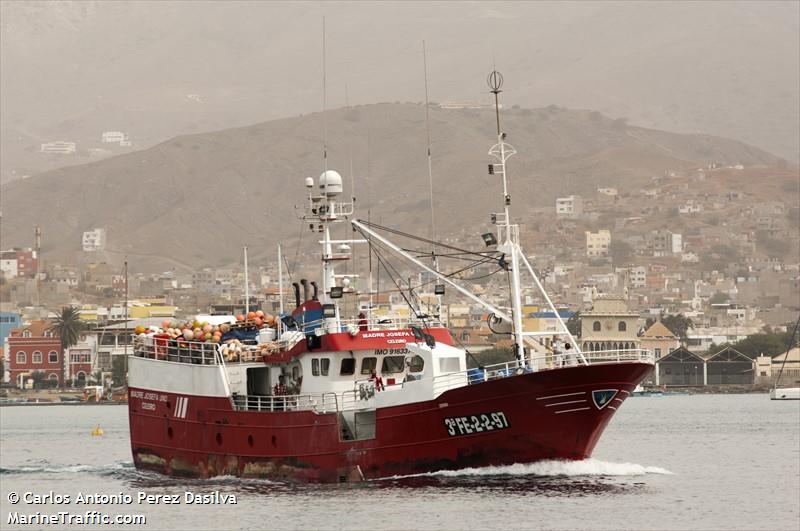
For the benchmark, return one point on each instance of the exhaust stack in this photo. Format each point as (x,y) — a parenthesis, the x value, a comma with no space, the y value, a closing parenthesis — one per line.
(296,287)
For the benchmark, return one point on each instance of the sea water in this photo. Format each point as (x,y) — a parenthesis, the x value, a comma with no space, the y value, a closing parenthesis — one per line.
(670,462)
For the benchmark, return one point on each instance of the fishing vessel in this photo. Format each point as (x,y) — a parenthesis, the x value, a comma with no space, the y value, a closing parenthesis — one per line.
(331,397)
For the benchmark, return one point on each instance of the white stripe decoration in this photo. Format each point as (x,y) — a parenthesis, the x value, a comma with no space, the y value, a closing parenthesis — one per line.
(181,405)
(559,396)
(563,403)
(571,410)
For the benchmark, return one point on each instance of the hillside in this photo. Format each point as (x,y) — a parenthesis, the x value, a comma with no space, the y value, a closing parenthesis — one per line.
(196,199)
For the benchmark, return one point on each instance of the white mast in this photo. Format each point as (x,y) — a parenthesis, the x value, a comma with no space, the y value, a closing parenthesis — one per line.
(280,280)
(430,167)
(246,285)
(508,232)
(434,261)
(509,235)
(280,292)
(324,102)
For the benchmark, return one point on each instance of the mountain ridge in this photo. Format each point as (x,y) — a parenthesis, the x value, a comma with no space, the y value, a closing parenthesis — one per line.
(195,200)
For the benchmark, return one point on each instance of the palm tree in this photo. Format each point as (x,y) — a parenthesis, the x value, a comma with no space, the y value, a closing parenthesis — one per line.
(69,326)
(678,325)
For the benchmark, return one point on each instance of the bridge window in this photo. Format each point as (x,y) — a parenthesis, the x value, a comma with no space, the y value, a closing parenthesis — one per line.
(622,327)
(393,364)
(21,357)
(368,364)
(348,366)
(320,366)
(417,364)
(37,357)
(53,356)
(596,326)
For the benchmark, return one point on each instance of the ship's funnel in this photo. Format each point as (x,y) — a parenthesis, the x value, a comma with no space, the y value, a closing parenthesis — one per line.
(304,282)
(314,295)
(296,287)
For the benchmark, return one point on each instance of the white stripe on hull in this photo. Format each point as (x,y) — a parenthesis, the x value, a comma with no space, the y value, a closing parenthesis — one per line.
(571,410)
(559,396)
(562,403)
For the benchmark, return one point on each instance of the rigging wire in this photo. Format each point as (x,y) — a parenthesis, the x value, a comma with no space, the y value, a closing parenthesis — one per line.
(426,240)
(474,263)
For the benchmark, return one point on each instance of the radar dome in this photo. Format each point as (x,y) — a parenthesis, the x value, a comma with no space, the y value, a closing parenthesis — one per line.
(309,182)
(330,183)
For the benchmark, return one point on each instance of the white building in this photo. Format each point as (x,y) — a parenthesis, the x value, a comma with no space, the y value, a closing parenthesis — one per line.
(8,265)
(597,242)
(638,276)
(610,192)
(94,240)
(61,146)
(116,137)
(676,243)
(690,207)
(569,207)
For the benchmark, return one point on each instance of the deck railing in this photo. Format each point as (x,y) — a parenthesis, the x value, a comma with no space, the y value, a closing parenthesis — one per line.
(168,350)
(320,403)
(372,324)
(445,382)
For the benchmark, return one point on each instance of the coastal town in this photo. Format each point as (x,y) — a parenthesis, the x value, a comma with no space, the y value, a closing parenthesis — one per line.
(703,274)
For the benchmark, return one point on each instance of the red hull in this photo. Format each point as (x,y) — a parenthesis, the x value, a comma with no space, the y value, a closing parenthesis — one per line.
(546,415)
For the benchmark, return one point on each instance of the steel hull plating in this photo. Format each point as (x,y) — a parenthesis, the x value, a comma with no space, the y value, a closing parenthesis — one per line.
(554,414)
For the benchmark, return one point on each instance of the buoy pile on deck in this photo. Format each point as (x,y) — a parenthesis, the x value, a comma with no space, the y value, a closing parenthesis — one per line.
(229,335)
(204,332)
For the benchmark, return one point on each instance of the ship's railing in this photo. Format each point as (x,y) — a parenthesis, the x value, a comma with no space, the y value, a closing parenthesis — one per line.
(169,350)
(203,353)
(368,325)
(360,397)
(594,357)
(319,403)
(552,361)
(543,362)
(365,390)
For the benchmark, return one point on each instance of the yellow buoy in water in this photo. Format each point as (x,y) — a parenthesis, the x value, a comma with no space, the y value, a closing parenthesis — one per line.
(97,431)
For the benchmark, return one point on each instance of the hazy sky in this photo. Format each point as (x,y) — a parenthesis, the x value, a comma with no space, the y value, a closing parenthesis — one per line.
(71,70)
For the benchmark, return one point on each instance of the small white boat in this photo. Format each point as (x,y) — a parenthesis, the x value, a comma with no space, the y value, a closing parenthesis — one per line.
(785,393)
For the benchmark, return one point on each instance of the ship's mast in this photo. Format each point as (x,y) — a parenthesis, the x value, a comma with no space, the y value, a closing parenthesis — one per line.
(508,233)
(246,285)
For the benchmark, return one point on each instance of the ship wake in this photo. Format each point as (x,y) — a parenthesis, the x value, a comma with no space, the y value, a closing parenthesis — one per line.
(552,468)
